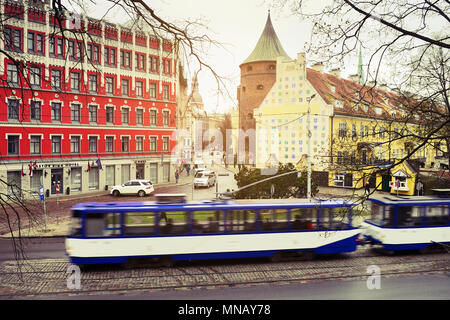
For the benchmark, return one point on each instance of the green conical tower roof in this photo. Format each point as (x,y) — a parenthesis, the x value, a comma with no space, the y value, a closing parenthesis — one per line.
(268,47)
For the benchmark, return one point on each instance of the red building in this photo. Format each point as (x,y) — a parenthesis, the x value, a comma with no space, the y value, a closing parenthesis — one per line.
(83,110)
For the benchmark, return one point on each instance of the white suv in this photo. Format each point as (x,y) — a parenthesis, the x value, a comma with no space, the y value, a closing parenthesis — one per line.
(138,187)
(204,178)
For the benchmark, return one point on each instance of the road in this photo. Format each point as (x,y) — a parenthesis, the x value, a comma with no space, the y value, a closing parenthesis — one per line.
(417,287)
(288,280)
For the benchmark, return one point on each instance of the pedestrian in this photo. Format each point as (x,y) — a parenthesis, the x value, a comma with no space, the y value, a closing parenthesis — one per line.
(188,169)
(177,175)
(367,188)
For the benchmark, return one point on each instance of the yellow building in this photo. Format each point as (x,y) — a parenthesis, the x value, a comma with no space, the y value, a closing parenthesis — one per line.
(282,118)
(357,131)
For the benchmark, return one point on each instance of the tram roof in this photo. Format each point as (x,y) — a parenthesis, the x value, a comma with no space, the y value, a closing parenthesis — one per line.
(212,205)
(410,200)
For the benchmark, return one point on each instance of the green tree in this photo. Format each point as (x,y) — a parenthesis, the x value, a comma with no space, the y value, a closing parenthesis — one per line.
(287,186)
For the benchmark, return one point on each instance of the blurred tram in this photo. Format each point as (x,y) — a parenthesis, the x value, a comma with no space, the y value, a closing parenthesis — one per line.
(173,229)
(408,223)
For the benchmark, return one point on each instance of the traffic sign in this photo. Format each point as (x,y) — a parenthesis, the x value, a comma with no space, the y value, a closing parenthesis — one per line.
(57,188)
(41,193)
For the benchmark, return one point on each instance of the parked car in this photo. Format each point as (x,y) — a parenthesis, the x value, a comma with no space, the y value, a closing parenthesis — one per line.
(138,187)
(204,178)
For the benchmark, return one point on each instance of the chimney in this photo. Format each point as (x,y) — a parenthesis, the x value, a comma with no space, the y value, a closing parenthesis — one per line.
(336,72)
(354,78)
(318,67)
(383,87)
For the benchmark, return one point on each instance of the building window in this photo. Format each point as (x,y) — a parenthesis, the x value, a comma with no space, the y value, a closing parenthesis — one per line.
(165,143)
(35,76)
(140,61)
(125,59)
(139,143)
(75,113)
(153,90)
(109,144)
(56,79)
(75,81)
(35,110)
(56,144)
(153,117)
(92,83)
(125,87)
(139,116)
(165,92)
(35,144)
(166,66)
(382,132)
(125,115)
(75,144)
(92,114)
(13,38)
(56,47)
(153,64)
(125,144)
(109,85)
(13,109)
(93,52)
(13,145)
(152,143)
(109,114)
(110,56)
(12,74)
(56,111)
(165,118)
(92,144)
(139,89)
(342,130)
(75,50)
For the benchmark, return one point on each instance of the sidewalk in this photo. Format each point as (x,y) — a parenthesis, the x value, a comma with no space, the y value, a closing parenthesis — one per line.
(183,180)
(58,210)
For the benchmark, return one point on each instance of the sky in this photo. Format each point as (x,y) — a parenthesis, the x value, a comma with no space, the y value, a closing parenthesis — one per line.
(237,24)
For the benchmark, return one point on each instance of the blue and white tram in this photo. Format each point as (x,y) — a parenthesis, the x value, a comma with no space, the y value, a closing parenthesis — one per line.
(115,232)
(408,223)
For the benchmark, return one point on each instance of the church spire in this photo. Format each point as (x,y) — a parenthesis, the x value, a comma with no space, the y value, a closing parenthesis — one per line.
(360,68)
(268,47)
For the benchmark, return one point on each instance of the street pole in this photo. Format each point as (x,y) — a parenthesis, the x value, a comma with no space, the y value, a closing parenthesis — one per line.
(308,191)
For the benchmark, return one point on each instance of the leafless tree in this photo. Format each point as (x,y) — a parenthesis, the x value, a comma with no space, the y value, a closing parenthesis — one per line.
(405,45)
(190,39)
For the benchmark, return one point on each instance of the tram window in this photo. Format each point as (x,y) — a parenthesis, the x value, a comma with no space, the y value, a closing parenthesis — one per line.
(238,221)
(405,216)
(75,224)
(334,218)
(207,222)
(139,224)
(437,215)
(377,214)
(103,225)
(273,219)
(410,216)
(388,216)
(304,219)
(176,223)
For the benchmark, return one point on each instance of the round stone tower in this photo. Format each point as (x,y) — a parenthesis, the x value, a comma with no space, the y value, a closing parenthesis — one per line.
(258,74)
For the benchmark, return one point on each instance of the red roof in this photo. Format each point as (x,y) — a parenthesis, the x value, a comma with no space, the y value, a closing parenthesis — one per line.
(352,93)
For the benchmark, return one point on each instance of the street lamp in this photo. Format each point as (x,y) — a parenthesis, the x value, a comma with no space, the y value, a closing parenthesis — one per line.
(308,192)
